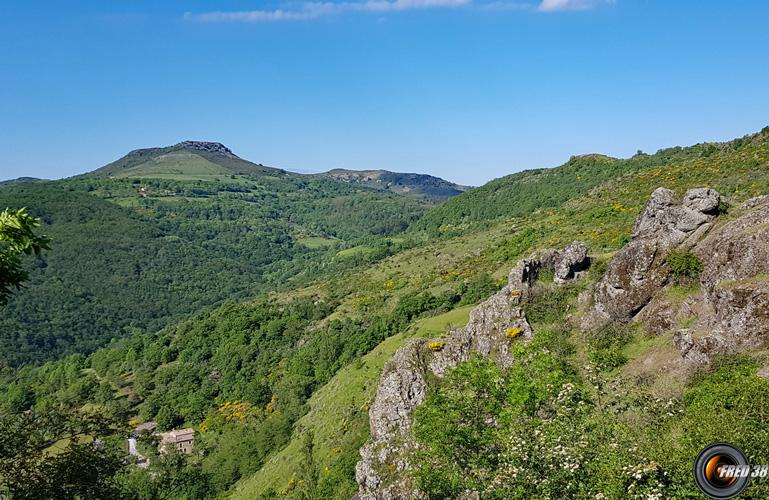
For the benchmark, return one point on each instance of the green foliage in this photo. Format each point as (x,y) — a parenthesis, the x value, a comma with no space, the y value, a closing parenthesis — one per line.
(135,254)
(17,238)
(171,476)
(478,429)
(477,289)
(547,302)
(522,193)
(605,345)
(59,455)
(685,265)
(258,354)
(581,436)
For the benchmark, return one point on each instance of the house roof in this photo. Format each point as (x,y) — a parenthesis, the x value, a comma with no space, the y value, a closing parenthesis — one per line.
(177,436)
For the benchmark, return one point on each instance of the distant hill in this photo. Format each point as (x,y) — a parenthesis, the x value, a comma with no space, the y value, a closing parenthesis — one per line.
(186,160)
(428,186)
(200,160)
(164,232)
(20,180)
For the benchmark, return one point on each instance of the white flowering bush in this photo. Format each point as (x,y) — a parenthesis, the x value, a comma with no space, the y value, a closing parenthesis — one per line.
(552,428)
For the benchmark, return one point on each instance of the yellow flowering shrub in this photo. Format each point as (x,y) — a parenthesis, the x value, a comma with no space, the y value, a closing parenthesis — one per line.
(436,346)
(513,332)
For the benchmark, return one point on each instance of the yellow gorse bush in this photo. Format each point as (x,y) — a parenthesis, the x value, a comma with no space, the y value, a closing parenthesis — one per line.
(436,346)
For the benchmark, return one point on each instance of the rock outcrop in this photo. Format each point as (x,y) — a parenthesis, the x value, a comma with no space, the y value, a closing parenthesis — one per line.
(638,270)
(208,147)
(382,472)
(735,283)
(729,311)
(571,262)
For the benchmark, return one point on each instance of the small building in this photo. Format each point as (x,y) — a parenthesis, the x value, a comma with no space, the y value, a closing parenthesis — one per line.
(180,440)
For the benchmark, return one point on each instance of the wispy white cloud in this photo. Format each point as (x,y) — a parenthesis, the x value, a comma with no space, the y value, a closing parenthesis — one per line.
(556,5)
(313,10)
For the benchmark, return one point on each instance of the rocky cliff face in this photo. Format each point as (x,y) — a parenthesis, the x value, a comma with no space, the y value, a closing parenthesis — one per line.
(734,286)
(208,147)
(382,472)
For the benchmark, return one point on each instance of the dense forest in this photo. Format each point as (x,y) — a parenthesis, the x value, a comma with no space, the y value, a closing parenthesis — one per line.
(130,255)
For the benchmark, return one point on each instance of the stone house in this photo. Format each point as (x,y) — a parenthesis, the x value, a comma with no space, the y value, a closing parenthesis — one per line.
(180,440)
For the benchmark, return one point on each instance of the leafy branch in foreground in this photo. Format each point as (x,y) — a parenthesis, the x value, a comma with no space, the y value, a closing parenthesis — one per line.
(17,238)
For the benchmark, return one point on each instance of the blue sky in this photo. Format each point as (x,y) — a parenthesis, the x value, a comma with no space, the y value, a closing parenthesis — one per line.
(468,90)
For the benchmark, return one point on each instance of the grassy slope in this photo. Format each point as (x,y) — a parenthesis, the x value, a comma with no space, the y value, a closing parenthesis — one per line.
(174,166)
(338,415)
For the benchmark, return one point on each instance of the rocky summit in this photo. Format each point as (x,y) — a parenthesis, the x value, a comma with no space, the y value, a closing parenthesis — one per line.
(208,147)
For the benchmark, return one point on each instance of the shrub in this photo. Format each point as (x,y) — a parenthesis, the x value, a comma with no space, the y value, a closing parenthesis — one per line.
(436,346)
(685,265)
(477,289)
(548,303)
(605,345)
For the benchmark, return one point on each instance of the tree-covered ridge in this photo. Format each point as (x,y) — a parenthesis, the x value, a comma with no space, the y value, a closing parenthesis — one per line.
(431,187)
(525,192)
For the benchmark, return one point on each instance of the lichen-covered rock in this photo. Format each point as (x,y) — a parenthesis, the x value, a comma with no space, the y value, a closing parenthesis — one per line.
(401,388)
(737,250)
(694,352)
(730,310)
(571,262)
(384,458)
(638,271)
(382,472)
(735,281)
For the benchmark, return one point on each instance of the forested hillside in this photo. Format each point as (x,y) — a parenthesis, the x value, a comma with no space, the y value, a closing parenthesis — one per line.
(133,253)
(278,387)
(522,193)
(431,187)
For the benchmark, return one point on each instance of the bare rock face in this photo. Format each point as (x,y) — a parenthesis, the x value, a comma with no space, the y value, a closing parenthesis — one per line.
(571,262)
(735,281)
(638,271)
(382,472)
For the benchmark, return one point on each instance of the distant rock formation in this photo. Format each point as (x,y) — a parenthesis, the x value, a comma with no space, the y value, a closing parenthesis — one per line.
(382,472)
(208,147)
